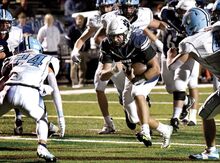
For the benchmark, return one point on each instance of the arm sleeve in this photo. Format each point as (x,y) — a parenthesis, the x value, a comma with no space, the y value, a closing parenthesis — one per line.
(55,94)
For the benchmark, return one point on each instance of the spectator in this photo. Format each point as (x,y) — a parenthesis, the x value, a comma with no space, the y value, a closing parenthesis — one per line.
(49,36)
(77,71)
(25,8)
(24,25)
(5,4)
(73,6)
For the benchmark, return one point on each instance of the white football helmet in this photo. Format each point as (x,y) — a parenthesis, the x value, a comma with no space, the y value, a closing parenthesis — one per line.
(186,4)
(120,25)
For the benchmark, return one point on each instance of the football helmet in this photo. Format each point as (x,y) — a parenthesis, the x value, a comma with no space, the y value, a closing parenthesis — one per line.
(29,43)
(102,3)
(186,4)
(5,21)
(119,26)
(195,19)
(129,7)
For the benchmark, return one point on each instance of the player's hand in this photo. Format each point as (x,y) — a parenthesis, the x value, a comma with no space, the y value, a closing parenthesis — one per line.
(62,126)
(75,56)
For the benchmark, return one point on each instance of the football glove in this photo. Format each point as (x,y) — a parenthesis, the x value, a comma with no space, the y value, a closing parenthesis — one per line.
(62,126)
(75,56)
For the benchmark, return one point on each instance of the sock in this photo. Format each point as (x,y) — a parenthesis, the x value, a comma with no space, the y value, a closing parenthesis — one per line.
(211,149)
(161,128)
(177,112)
(43,145)
(192,115)
(108,120)
(146,129)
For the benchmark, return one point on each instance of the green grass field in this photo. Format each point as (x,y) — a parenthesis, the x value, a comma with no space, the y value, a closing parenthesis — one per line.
(82,143)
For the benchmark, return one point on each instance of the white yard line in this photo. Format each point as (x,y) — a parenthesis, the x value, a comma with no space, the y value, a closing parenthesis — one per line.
(113,90)
(96,141)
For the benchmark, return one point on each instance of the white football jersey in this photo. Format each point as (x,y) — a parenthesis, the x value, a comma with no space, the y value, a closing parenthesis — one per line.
(204,48)
(30,69)
(144,17)
(15,38)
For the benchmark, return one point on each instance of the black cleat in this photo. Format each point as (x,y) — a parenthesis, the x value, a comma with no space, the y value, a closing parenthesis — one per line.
(130,125)
(175,123)
(186,107)
(144,138)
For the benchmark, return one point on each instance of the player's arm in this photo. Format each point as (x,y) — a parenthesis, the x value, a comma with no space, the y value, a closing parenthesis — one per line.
(154,39)
(100,35)
(158,24)
(57,100)
(153,68)
(107,71)
(175,60)
(75,56)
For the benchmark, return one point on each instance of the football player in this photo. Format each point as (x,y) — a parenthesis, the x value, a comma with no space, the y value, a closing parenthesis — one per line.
(187,76)
(94,23)
(202,44)
(142,69)
(25,89)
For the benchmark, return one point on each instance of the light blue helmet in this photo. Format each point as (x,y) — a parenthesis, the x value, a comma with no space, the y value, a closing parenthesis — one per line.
(104,2)
(129,2)
(195,19)
(29,43)
(5,16)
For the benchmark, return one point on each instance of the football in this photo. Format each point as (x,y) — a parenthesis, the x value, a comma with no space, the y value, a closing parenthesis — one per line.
(139,68)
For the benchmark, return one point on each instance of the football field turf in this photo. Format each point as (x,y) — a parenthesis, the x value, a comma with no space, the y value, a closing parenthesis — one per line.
(82,143)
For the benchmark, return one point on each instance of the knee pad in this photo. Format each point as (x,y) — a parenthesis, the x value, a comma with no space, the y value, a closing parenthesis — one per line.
(179,95)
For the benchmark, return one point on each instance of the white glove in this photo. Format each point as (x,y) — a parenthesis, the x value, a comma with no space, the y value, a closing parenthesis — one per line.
(75,56)
(62,126)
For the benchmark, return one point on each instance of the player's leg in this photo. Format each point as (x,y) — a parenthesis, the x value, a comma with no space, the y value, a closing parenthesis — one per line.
(100,86)
(18,129)
(191,104)
(34,107)
(208,111)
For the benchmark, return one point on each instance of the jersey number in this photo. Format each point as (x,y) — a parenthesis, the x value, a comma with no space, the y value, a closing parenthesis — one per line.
(35,61)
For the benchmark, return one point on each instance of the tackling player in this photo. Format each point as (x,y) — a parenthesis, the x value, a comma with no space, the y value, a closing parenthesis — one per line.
(202,44)
(25,89)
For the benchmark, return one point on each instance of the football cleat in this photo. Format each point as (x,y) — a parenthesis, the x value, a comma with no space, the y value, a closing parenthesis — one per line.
(191,123)
(52,129)
(186,107)
(43,152)
(166,137)
(206,155)
(107,129)
(175,123)
(18,130)
(145,138)
(130,125)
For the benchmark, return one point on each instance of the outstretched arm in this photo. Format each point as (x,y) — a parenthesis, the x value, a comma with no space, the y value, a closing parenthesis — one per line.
(175,60)
(57,101)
